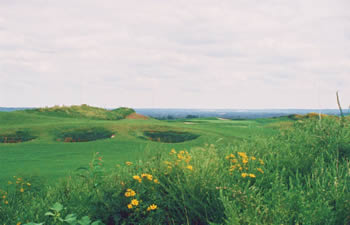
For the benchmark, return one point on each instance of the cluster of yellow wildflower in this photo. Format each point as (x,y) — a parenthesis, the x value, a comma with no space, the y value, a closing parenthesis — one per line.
(20,183)
(3,195)
(241,163)
(147,179)
(180,158)
(145,176)
(130,193)
(152,207)
(134,202)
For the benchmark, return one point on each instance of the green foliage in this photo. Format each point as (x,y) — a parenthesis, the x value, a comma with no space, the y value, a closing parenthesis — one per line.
(55,214)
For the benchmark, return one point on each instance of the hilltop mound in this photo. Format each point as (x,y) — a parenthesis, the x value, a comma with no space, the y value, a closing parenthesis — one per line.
(307,116)
(84,111)
(136,116)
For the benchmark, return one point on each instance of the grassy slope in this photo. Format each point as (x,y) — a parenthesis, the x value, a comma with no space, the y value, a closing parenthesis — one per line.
(84,111)
(51,159)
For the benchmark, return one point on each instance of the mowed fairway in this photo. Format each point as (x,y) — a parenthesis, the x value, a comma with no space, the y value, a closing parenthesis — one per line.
(50,159)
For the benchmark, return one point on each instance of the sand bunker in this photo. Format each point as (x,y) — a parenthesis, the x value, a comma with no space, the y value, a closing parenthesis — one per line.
(170,136)
(84,135)
(16,137)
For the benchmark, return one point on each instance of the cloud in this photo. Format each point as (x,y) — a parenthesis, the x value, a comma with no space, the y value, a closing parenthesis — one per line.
(193,54)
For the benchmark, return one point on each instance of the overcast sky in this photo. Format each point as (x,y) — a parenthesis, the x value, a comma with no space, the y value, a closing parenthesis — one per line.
(175,53)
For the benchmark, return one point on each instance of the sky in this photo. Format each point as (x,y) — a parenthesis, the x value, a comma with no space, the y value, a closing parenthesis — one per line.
(232,54)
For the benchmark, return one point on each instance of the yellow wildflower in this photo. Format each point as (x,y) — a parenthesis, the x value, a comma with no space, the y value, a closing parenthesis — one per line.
(152,207)
(134,202)
(6,202)
(253,158)
(244,175)
(172,151)
(144,175)
(242,154)
(180,156)
(252,175)
(245,160)
(227,157)
(189,167)
(128,163)
(156,181)
(21,190)
(149,177)
(182,152)
(136,177)
(260,170)
(129,206)
(261,161)
(28,184)
(232,168)
(19,223)
(127,194)
(4,196)
(234,161)
(188,159)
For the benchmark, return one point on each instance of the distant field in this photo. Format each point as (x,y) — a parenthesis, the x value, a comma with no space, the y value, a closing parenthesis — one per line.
(47,157)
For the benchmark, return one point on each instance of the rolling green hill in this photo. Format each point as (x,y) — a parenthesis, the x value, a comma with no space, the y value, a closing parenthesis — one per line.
(84,111)
(52,153)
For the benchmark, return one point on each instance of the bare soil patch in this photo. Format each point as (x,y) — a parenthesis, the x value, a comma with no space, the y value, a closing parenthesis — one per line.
(136,116)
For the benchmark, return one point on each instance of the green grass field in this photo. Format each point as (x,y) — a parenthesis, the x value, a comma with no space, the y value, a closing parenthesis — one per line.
(47,157)
(287,170)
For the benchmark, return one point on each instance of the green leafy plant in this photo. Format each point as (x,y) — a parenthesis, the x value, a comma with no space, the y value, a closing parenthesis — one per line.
(55,213)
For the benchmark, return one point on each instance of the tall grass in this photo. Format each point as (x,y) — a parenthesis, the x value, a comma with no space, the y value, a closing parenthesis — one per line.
(300,176)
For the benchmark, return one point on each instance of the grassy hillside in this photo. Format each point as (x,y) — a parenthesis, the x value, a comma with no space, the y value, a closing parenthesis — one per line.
(84,111)
(50,157)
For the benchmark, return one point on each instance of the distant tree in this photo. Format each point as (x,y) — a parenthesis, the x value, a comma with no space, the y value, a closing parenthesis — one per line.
(170,117)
